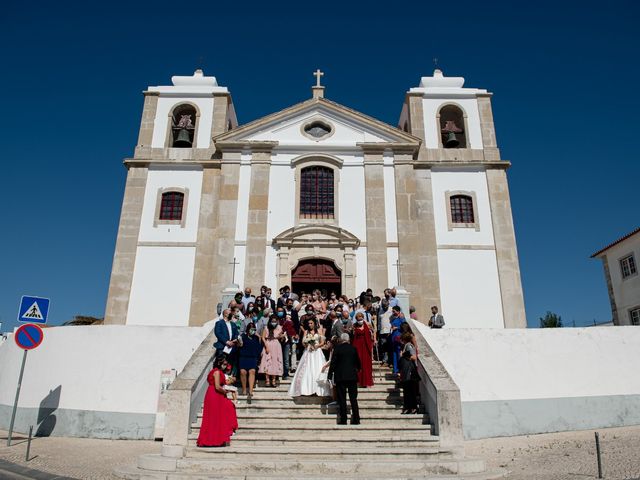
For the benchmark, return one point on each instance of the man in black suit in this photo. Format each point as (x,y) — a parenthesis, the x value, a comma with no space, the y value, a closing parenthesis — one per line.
(344,368)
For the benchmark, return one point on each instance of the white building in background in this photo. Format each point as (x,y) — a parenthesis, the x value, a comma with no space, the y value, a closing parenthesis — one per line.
(620,261)
(316,196)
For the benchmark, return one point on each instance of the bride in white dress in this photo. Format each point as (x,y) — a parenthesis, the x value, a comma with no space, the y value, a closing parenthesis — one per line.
(305,381)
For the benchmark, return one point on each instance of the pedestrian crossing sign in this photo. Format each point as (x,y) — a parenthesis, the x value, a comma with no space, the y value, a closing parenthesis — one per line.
(33,309)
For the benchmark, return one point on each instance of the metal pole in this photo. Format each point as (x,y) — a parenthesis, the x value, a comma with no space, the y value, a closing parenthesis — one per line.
(26,458)
(598,455)
(15,403)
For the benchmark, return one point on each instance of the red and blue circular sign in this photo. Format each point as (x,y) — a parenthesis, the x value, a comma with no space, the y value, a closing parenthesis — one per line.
(28,336)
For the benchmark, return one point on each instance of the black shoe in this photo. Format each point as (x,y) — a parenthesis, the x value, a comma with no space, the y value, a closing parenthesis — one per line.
(355,422)
(342,423)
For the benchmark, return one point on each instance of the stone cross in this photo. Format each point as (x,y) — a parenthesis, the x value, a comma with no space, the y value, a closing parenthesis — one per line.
(318,74)
(398,265)
(234,263)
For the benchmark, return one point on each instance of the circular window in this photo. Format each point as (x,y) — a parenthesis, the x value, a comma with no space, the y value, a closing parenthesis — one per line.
(317,129)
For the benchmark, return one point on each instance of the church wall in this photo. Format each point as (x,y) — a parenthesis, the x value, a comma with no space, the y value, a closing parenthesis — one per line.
(166,105)
(161,287)
(431,106)
(362,282)
(352,215)
(470,289)
(392,269)
(189,178)
(270,261)
(244,182)
(566,386)
(467,180)
(240,254)
(282,191)
(391,217)
(94,381)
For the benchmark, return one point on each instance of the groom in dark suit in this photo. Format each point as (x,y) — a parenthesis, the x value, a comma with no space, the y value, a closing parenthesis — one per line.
(344,368)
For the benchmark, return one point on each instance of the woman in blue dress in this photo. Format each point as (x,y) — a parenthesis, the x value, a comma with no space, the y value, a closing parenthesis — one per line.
(250,351)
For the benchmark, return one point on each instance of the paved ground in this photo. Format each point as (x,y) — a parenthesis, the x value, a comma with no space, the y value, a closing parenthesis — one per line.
(557,456)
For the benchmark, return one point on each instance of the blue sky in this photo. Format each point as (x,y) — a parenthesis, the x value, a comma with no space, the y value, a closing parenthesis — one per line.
(563,76)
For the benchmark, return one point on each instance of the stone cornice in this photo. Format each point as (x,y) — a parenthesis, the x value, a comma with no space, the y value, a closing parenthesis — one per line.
(499,164)
(395,147)
(253,146)
(147,93)
(145,162)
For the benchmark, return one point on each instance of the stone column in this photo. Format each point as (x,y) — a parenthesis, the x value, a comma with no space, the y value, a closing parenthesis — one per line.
(416,121)
(284,272)
(203,298)
(221,103)
(225,231)
(254,270)
(376,221)
(416,235)
(147,123)
(124,258)
(506,251)
(349,287)
(487,128)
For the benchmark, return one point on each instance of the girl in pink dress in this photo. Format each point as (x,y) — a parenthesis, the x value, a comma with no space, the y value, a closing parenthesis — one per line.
(271,363)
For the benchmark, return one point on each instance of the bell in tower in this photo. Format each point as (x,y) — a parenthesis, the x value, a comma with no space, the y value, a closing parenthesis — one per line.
(184,130)
(449,133)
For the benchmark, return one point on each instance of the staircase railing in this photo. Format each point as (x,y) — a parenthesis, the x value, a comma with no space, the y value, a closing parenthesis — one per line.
(441,397)
(185,397)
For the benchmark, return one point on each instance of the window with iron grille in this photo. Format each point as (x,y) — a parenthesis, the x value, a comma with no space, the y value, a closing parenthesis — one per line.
(171,207)
(635,316)
(316,192)
(462,209)
(628,266)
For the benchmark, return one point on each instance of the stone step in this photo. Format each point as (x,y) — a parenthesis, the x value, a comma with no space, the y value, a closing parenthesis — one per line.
(331,465)
(269,407)
(362,395)
(320,414)
(323,424)
(391,420)
(426,447)
(377,387)
(343,434)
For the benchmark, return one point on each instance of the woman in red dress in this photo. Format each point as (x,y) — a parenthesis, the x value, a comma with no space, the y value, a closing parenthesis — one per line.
(363,343)
(219,419)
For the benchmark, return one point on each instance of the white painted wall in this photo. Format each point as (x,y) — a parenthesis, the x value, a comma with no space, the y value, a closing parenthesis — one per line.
(166,104)
(282,195)
(362,280)
(270,270)
(431,106)
(392,270)
(160,177)
(110,368)
(240,254)
(513,364)
(470,289)
(244,190)
(391,214)
(626,291)
(161,286)
(345,133)
(353,215)
(473,180)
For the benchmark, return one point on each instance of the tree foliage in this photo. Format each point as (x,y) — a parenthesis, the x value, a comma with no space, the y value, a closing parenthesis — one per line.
(551,320)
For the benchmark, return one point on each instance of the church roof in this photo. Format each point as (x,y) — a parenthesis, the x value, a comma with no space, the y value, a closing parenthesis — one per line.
(395,134)
(613,244)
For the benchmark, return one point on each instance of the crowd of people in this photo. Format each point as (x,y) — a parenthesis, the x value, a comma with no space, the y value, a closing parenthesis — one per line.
(328,344)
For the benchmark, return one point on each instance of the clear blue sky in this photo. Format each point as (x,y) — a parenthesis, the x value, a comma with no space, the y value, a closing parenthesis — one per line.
(564,76)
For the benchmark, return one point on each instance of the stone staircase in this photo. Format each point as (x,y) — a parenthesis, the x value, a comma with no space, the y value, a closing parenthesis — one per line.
(280,437)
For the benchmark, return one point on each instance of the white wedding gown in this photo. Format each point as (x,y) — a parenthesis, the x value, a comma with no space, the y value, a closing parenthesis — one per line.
(305,380)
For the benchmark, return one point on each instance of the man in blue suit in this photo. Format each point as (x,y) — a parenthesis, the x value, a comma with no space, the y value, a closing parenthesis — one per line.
(226,332)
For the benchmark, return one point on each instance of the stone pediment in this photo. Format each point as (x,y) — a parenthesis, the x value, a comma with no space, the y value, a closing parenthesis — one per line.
(317,122)
(316,235)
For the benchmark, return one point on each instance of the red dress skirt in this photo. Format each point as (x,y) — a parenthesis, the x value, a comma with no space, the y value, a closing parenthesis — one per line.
(364,346)
(219,419)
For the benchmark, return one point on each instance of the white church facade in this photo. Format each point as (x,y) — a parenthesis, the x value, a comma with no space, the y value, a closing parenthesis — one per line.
(316,196)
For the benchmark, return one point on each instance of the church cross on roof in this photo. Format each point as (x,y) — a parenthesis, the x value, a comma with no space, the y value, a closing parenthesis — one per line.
(318,89)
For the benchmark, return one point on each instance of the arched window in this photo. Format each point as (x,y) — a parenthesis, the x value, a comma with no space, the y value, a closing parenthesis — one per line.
(462,209)
(171,206)
(183,126)
(316,192)
(452,127)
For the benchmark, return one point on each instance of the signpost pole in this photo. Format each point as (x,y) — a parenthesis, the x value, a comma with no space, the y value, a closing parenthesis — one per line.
(15,403)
